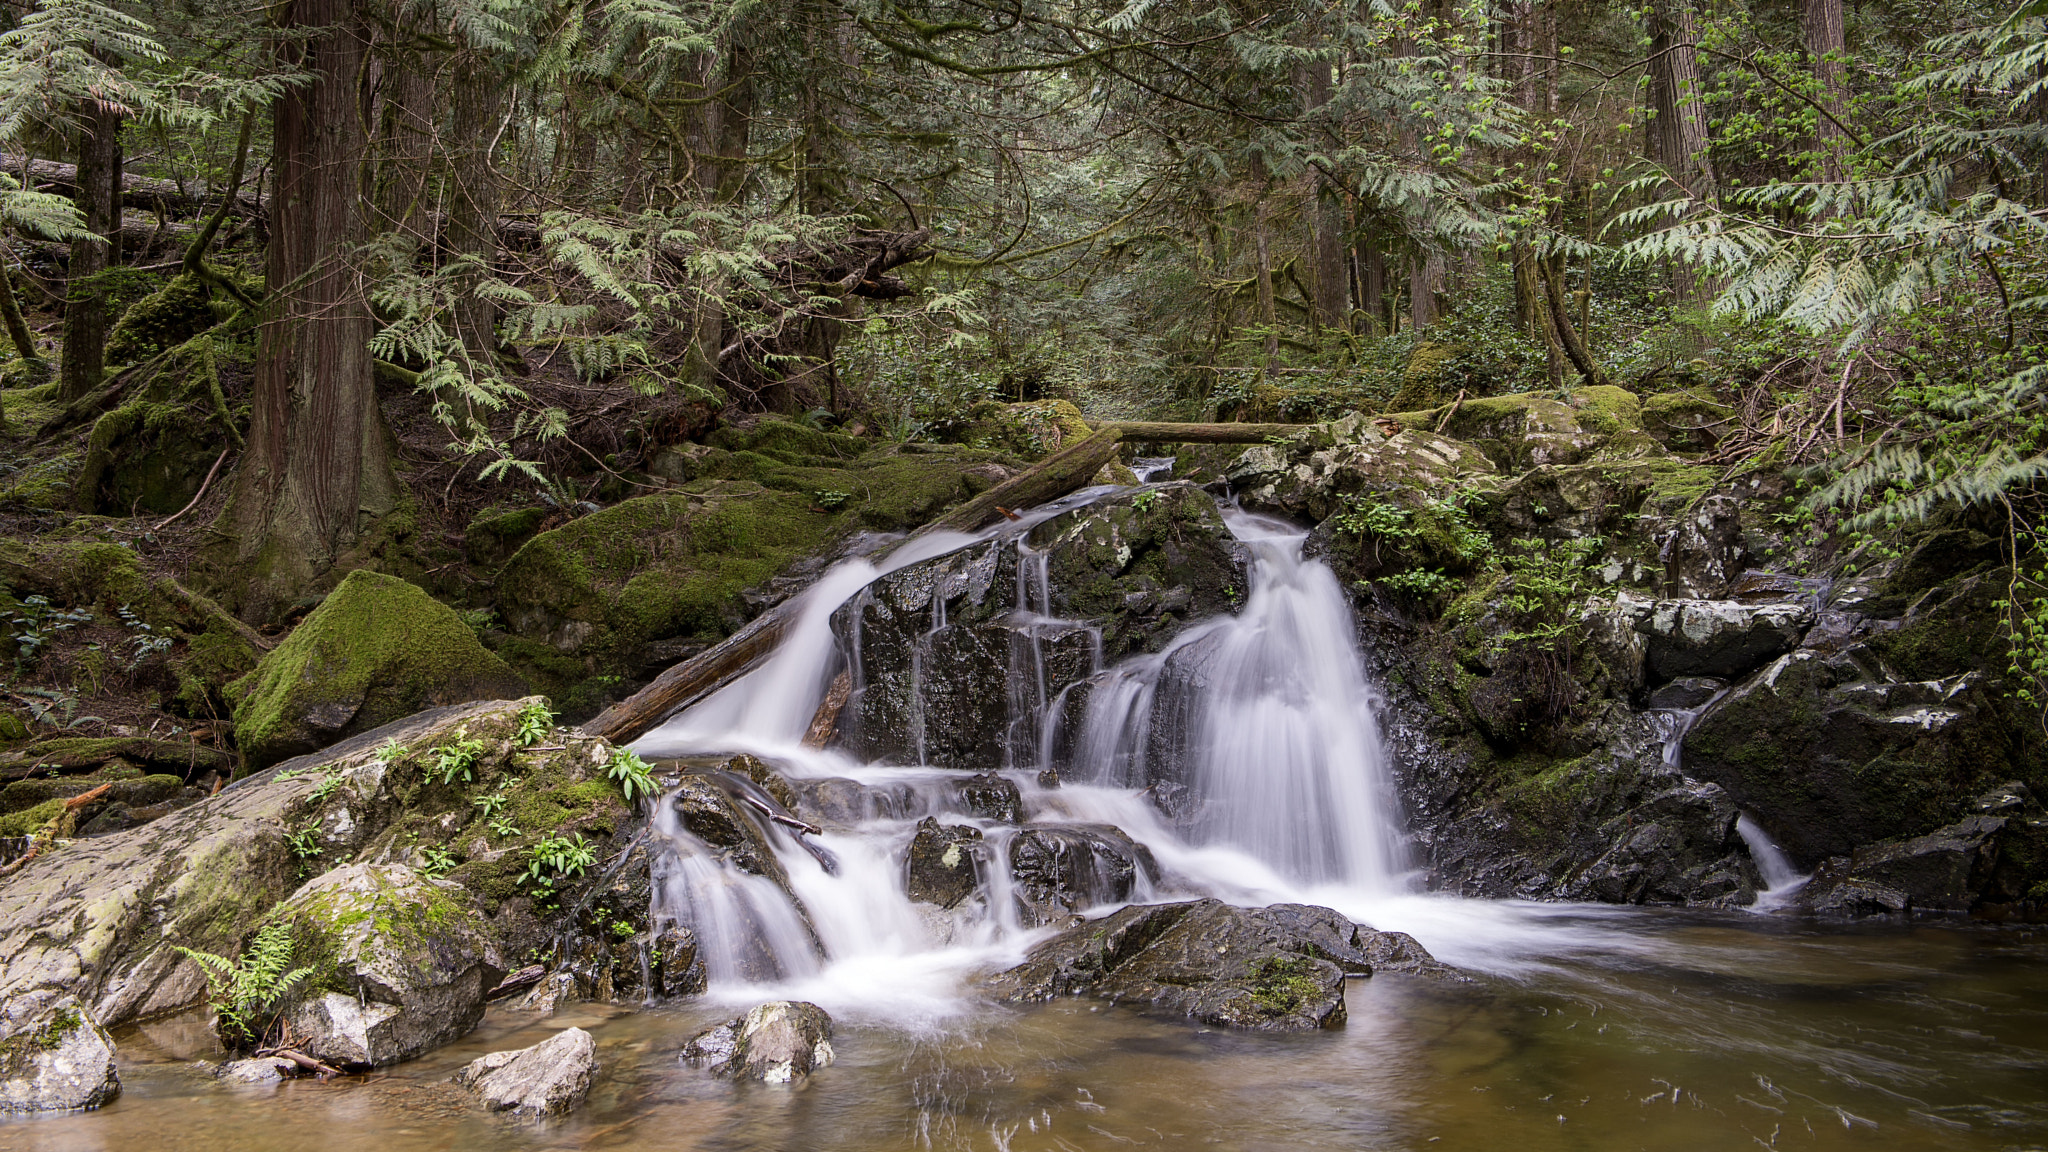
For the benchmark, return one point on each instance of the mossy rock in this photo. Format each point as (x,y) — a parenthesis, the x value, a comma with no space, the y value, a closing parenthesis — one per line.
(1606,410)
(170,316)
(1032,430)
(376,649)
(492,538)
(72,753)
(1688,421)
(25,374)
(1425,377)
(29,821)
(790,442)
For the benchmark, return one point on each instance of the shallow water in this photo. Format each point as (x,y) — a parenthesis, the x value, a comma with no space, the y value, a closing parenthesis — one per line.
(1693,1031)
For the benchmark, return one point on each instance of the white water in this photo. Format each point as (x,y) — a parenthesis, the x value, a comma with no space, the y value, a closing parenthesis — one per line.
(1290,799)
(1782,878)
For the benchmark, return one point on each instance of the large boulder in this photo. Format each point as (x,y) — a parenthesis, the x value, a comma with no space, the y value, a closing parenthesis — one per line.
(402,964)
(951,672)
(548,1079)
(1275,969)
(376,649)
(1318,469)
(57,1060)
(1989,858)
(1714,638)
(102,919)
(776,1042)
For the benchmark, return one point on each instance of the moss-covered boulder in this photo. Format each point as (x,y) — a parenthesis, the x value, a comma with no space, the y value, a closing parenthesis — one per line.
(1315,472)
(170,316)
(1687,421)
(402,963)
(1032,430)
(377,648)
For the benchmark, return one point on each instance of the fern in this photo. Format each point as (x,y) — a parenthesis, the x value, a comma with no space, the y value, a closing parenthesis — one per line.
(247,992)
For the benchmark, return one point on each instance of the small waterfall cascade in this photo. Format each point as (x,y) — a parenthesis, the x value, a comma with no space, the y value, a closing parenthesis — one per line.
(1782,879)
(1243,761)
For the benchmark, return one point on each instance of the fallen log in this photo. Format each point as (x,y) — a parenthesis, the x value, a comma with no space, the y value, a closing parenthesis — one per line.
(137,192)
(1063,472)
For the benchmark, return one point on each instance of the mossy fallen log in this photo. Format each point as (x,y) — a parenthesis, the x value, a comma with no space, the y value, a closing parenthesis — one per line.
(1063,472)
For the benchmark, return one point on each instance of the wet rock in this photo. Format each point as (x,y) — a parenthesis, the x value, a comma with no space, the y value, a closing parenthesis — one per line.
(57,1060)
(775,1042)
(1686,693)
(712,816)
(768,779)
(992,797)
(1673,848)
(404,964)
(376,649)
(548,1079)
(1703,638)
(837,800)
(945,861)
(1059,869)
(1830,756)
(1276,969)
(953,674)
(257,1070)
(1990,858)
(678,962)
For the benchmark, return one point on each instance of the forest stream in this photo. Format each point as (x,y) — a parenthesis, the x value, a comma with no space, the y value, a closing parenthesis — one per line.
(1569,1026)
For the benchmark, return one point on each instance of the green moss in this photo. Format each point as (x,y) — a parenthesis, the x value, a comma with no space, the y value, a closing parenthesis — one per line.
(491,538)
(1606,409)
(169,317)
(1422,380)
(375,650)
(1685,421)
(42,485)
(1284,984)
(29,821)
(1030,430)
(790,442)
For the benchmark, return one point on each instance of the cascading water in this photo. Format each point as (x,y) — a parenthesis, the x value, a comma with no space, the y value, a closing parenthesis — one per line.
(1782,879)
(1244,759)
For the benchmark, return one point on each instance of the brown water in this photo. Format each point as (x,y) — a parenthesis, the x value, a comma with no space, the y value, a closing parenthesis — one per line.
(1704,1032)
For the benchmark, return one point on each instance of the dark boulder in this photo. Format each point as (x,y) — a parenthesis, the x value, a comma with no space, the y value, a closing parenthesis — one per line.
(991,797)
(957,656)
(1059,869)
(1989,858)
(1275,969)
(712,816)
(945,863)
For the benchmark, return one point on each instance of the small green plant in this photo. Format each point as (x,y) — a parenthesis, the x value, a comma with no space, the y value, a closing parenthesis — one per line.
(246,992)
(832,500)
(145,642)
(34,623)
(536,721)
(436,861)
(1144,501)
(1422,582)
(305,843)
(635,776)
(479,620)
(328,786)
(556,858)
(503,828)
(623,929)
(491,804)
(458,758)
(389,751)
(53,708)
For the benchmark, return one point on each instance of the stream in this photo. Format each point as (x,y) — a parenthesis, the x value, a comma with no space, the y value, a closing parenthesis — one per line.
(1581,1027)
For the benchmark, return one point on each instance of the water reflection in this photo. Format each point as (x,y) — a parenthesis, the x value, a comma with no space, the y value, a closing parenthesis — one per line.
(1711,1032)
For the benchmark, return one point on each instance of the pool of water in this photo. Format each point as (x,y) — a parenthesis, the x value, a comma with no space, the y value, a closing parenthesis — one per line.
(1687,1031)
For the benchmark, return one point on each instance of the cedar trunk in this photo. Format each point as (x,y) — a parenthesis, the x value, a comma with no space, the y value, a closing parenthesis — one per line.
(1680,136)
(1826,41)
(99,200)
(317,468)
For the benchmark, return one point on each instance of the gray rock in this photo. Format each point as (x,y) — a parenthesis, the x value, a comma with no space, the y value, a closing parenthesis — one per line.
(992,797)
(1987,858)
(1314,472)
(547,1079)
(944,864)
(1686,693)
(406,963)
(1274,969)
(678,963)
(1060,869)
(257,1070)
(58,1060)
(776,1042)
(1717,638)
(100,917)
(712,816)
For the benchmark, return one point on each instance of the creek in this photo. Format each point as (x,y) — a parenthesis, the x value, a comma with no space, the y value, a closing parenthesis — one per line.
(1581,1027)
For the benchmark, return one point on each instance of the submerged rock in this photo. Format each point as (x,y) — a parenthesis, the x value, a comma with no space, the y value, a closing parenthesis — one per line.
(776,1042)
(547,1079)
(403,964)
(376,649)
(944,864)
(1060,869)
(257,1070)
(1275,969)
(58,1060)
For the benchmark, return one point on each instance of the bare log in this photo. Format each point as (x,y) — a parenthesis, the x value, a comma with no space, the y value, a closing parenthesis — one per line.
(1049,479)
(1203,433)
(826,718)
(695,678)
(139,192)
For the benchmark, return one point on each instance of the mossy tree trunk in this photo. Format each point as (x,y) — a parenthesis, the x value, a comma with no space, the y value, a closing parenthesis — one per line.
(316,471)
(17,325)
(98,195)
(473,208)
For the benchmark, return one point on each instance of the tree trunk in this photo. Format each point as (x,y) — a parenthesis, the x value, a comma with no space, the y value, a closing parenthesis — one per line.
(1821,23)
(316,469)
(1425,280)
(99,200)
(1262,253)
(1372,287)
(405,144)
(1679,136)
(17,325)
(473,202)
(1326,218)
(1560,318)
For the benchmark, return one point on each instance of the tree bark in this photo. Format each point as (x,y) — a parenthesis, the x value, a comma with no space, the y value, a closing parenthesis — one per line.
(1679,135)
(1560,319)
(1820,22)
(98,197)
(17,325)
(1262,252)
(316,469)
(1425,280)
(473,204)
(1326,219)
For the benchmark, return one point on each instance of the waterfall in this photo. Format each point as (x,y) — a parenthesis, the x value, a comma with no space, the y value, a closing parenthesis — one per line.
(1782,879)
(1243,761)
